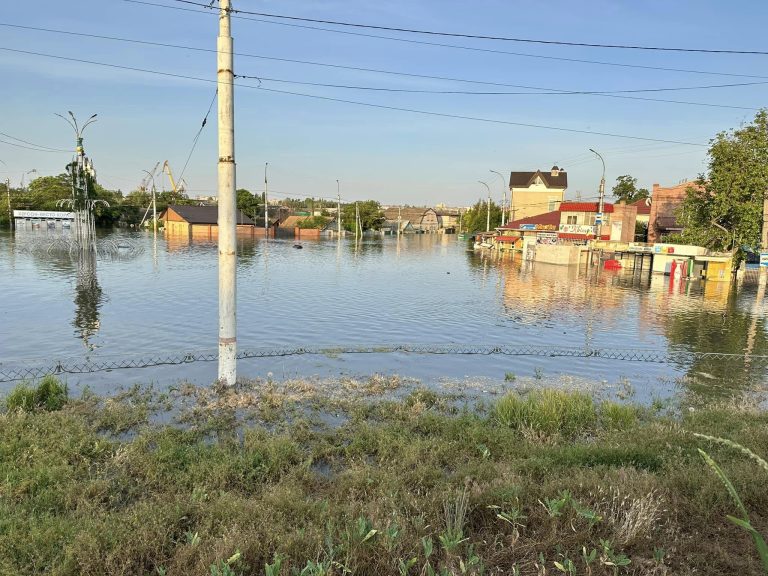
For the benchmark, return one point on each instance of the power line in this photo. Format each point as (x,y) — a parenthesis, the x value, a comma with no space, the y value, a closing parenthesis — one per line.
(603,93)
(197,136)
(359,103)
(35,149)
(459,47)
(548,91)
(481,37)
(47,148)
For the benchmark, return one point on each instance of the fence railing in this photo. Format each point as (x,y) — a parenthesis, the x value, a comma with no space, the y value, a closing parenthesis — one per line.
(31,369)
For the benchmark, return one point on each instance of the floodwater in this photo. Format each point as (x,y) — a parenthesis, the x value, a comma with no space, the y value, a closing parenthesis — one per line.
(142,297)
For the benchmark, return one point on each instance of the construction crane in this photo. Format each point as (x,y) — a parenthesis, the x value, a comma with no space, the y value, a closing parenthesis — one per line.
(150,178)
(178,188)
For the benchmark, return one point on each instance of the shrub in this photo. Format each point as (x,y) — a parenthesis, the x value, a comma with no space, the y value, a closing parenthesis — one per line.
(50,394)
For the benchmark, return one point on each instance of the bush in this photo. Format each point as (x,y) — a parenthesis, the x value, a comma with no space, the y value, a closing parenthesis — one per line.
(50,394)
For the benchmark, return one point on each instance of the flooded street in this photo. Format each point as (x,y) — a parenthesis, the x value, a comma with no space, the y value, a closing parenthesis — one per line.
(156,300)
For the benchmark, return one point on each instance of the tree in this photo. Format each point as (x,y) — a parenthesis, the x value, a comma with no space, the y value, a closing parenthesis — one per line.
(724,211)
(626,189)
(248,203)
(371,215)
(475,219)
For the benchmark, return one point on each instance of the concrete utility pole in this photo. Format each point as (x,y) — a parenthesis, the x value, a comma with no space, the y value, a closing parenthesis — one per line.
(399,219)
(488,217)
(227,202)
(601,203)
(8,194)
(357,219)
(504,197)
(266,204)
(338,209)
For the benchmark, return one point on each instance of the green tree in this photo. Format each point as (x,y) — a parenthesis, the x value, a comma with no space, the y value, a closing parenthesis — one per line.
(724,212)
(313,222)
(248,203)
(475,219)
(371,215)
(626,189)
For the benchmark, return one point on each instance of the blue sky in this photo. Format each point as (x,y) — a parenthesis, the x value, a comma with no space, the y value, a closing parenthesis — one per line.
(392,156)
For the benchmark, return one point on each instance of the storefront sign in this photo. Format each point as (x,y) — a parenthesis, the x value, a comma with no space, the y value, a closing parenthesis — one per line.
(764,259)
(577,229)
(44,214)
(546,238)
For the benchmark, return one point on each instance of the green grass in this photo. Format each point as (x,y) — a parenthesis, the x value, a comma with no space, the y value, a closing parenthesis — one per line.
(49,394)
(426,484)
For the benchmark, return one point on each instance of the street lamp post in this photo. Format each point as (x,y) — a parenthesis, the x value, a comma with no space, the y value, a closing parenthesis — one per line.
(504,197)
(601,203)
(488,216)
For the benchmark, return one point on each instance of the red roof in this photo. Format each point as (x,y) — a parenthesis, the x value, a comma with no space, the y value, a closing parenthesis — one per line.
(584,207)
(643,206)
(547,219)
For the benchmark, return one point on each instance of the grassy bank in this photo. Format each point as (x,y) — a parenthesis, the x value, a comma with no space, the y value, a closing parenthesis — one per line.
(285,480)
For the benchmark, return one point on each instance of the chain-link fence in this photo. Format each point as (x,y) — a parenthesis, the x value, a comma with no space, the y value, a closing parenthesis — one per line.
(30,369)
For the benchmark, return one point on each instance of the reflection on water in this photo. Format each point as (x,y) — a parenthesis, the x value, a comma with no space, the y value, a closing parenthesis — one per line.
(88,297)
(417,289)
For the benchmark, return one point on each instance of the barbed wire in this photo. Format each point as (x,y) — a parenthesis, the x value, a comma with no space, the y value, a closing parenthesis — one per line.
(11,371)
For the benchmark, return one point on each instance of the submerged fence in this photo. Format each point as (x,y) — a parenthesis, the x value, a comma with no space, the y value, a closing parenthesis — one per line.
(19,370)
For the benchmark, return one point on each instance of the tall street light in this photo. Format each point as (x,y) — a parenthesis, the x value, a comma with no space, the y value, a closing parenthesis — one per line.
(504,196)
(601,203)
(488,218)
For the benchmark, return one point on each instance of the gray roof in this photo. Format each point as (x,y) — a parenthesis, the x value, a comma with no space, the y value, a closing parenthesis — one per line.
(205,214)
(525,179)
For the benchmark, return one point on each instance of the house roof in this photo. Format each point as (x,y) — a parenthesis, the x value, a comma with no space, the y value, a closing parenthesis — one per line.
(549,218)
(205,214)
(585,207)
(525,179)
(412,214)
(293,221)
(643,206)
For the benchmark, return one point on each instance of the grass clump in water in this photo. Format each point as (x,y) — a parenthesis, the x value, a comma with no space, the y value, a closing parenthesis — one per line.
(49,395)
(548,411)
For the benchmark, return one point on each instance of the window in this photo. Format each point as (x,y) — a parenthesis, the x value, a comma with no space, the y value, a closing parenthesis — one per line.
(571,219)
(552,204)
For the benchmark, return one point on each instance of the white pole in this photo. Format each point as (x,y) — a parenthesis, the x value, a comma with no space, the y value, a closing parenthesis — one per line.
(338,209)
(357,219)
(227,202)
(266,204)
(601,202)
(154,206)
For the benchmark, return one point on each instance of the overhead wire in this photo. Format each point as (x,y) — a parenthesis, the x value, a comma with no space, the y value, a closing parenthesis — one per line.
(457,47)
(197,136)
(35,149)
(28,143)
(360,103)
(481,36)
(533,90)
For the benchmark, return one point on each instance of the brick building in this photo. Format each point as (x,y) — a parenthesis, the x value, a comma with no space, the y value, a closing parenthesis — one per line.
(664,204)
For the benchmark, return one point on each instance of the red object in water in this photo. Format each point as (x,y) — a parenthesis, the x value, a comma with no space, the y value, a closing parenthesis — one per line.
(612,265)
